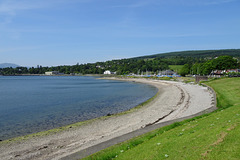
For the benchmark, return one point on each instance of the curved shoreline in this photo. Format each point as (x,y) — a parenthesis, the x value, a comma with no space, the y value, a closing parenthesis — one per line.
(175,100)
(77,124)
(50,119)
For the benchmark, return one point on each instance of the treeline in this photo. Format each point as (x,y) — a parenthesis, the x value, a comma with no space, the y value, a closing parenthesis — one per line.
(179,60)
(195,62)
(206,68)
(205,54)
(124,66)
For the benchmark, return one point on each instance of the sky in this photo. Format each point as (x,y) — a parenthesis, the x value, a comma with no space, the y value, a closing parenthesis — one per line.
(67,32)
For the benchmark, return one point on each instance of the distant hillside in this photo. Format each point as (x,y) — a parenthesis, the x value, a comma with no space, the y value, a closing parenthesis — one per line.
(195,54)
(137,65)
(6,65)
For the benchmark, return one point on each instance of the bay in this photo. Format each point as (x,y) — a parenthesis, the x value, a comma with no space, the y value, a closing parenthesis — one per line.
(29,104)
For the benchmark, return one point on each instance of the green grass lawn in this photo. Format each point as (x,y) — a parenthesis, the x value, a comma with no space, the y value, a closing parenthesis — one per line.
(176,68)
(212,136)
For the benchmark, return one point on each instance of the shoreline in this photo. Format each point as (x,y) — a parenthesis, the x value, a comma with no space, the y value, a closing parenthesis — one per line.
(172,101)
(77,124)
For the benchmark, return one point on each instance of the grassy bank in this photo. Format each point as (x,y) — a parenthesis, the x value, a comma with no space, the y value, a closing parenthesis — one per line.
(212,136)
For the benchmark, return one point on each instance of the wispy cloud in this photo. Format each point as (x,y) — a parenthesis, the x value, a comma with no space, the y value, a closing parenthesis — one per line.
(137,4)
(12,7)
(203,2)
(144,3)
(6,50)
(9,9)
(217,2)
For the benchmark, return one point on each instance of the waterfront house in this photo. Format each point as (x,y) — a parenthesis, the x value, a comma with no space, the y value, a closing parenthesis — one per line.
(109,72)
(222,72)
(50,73)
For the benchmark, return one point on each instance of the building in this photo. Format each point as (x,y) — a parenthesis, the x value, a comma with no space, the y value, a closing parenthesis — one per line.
(222,72)
(232,70)
(167,72)
(51,73)
(107,72)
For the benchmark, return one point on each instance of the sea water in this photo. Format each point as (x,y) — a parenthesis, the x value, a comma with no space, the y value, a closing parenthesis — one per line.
(30,104)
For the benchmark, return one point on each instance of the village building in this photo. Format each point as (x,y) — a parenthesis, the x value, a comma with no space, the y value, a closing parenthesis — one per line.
(109,72)
(100,67)
(222,72)
(50,73)
(167,72)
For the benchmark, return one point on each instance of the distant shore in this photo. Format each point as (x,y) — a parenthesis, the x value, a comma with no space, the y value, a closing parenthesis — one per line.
(36,75)
(174,100)
(92,75)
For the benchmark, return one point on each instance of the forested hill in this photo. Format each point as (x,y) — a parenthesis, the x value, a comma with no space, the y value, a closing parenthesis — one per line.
(195,54)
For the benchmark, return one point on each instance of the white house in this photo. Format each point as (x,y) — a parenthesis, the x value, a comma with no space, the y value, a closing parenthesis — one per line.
(51,73)
(107,72)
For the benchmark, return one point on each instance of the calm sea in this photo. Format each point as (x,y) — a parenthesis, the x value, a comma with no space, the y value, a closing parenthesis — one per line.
(30,104)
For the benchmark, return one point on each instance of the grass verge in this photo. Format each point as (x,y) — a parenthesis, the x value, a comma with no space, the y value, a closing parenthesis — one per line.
(210,136)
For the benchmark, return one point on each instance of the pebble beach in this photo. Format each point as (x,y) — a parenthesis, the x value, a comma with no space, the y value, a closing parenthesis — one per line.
(173,100)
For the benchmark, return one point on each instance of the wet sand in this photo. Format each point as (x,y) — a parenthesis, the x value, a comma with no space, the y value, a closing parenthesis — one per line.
(174,100)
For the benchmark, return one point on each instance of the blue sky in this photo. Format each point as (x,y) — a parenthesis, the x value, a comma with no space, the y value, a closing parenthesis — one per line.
(66,32)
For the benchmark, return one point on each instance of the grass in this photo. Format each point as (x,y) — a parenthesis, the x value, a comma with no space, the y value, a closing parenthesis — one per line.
(227,91)
(211,136)
(176,68)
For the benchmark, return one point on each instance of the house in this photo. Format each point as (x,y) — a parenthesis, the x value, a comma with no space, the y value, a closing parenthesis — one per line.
(167,72)
(107,72)
(51,73)
(100,67)
(232,70)
(217,72)
(222,72)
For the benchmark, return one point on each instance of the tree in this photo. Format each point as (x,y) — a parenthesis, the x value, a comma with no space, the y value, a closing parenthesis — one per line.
(224,62)
(207,67)
(185,70)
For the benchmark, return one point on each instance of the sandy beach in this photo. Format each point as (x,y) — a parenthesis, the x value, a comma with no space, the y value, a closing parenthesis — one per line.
(174,100)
